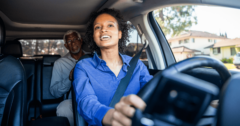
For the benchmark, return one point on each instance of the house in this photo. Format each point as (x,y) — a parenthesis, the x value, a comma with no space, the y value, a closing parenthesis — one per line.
(183,52)
(195,40)
(225,49)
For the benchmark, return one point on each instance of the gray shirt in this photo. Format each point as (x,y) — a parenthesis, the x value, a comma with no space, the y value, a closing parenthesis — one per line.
(60,83)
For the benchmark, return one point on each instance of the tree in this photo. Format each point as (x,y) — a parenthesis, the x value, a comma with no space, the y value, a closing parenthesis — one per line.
(223,34)
(176,19)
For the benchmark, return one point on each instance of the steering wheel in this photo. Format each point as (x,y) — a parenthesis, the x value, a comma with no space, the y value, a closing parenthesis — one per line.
(177,98)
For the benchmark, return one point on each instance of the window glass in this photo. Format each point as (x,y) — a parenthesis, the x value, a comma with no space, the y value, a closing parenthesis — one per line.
(233,51)
(186,40)
(193,32)
(216,51)
(180,42)
(134,46)
(33,47)
(193,40)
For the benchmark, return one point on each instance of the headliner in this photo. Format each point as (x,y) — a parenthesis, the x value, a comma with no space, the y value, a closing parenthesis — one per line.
(73,12)
(51,18)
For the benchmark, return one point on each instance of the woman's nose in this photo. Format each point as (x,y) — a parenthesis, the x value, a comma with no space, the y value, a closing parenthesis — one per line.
(104,29)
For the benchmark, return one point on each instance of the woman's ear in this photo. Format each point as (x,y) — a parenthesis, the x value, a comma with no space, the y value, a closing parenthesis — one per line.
(119,34)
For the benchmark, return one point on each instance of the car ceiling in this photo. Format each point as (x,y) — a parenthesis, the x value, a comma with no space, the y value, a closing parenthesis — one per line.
(51,18)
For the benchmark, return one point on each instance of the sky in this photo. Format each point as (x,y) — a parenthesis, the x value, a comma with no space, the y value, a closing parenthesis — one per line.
(218,19)
(213,19)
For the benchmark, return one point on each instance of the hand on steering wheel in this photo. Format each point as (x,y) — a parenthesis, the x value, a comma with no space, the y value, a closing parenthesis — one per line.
(177,98)
(124,110)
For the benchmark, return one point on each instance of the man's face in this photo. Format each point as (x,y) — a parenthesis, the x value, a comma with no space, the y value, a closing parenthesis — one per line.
(73,43)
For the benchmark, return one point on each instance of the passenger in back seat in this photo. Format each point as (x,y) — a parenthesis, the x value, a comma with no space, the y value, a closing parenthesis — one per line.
(62,73)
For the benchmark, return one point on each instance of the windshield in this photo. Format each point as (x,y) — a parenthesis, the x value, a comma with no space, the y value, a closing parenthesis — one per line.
(190,31)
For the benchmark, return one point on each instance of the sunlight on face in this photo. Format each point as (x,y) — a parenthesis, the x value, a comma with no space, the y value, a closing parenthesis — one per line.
(106,33)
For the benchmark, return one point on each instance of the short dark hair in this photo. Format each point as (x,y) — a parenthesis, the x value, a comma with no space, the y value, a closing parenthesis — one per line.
(123,26)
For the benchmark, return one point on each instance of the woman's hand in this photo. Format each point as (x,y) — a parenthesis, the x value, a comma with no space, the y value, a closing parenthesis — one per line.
(123,110)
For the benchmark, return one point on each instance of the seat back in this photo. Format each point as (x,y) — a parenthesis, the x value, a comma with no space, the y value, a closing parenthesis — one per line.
(78,119)
(14,48)
(228,111)
(29,66)
(13,90)
(49,102)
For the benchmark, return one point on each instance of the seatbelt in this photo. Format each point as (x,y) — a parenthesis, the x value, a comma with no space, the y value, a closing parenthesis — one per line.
(125,81)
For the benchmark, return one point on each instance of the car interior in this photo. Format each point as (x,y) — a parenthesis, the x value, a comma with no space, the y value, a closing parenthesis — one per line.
(25,97)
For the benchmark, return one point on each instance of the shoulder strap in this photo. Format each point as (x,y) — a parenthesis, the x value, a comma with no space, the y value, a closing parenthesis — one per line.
(125,81)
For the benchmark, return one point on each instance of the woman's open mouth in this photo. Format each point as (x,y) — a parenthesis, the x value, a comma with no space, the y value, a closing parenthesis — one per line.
(105,37)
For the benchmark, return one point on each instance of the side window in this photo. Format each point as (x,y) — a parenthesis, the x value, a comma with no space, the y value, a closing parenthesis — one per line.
(134,46)
(186,40)
(216,51)
(33,47)
(193,32)
(233,51)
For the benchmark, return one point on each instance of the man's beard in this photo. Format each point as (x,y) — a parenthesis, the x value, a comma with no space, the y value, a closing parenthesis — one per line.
(76,52)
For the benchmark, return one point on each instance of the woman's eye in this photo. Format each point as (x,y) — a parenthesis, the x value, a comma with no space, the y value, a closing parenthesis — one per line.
(97,27)
(110,25)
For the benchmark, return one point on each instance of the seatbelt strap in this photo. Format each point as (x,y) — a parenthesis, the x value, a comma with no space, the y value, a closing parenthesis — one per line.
(125,81)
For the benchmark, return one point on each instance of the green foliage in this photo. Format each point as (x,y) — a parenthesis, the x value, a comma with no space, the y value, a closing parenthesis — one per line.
(176,19)
(225,60)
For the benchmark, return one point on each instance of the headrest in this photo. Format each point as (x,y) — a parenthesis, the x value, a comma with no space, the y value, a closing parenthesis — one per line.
(49,60)
(2,33)
(13,48)
(86,48)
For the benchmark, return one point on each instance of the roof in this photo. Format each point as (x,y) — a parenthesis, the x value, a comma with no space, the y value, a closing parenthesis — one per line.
(192,33)
(183,49)
(228,42)
(211,46)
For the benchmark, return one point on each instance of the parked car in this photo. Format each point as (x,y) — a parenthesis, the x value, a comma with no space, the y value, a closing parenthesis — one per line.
(35,29)
(236,60)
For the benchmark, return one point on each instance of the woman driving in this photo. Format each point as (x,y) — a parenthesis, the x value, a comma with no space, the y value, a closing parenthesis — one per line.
(97,78)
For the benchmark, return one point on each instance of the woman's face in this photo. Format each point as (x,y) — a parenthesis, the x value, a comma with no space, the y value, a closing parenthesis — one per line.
(106,33)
